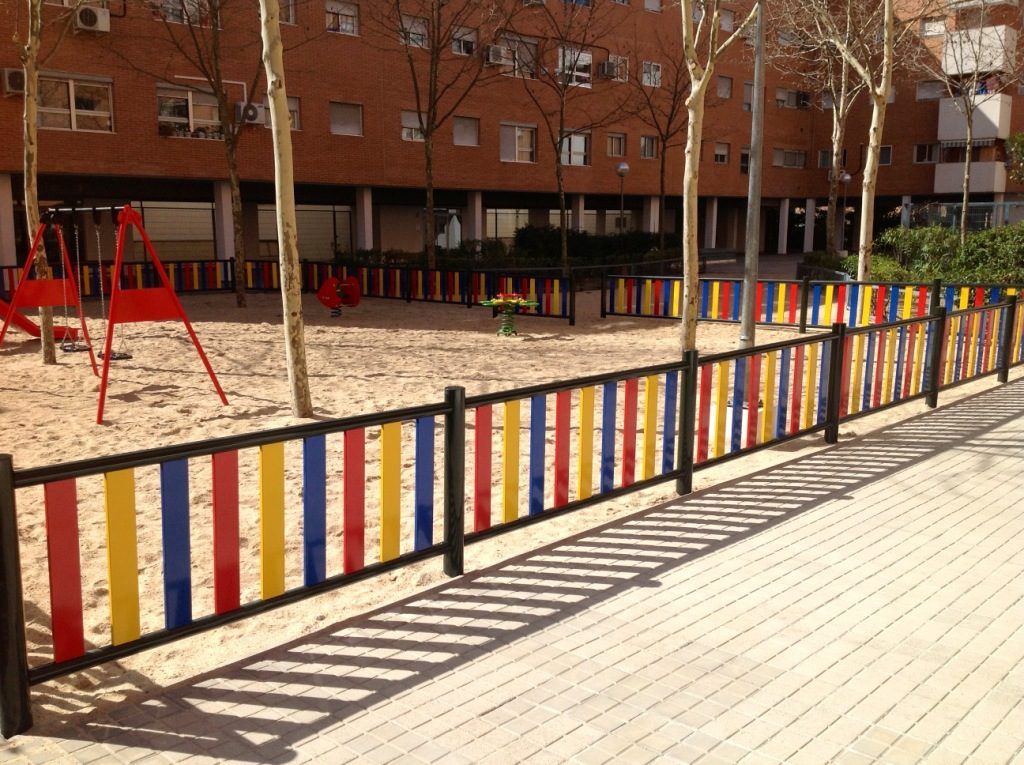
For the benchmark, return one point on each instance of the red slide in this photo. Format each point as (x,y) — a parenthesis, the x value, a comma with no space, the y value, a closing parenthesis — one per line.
(30,327)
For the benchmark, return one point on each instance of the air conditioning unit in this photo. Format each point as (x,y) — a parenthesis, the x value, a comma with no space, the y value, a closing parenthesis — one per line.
(250,114)
(609,69)
(89,18)
(498,55)
(14,81)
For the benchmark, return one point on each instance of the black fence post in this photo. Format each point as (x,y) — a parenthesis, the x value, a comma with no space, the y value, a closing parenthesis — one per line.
(15,707)
(936,296)
(1009,319)
(833,404)
(805,299)
(687,421)
(935,355)
(604,292)
(454,480)
(572,298)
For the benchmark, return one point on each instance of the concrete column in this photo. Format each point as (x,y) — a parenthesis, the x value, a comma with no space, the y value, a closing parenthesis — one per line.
(539,218)
(8,256)
(601,224)
(809,224)
(577,207)
(998,210)
(783,226)
(905,212)
(473,221)
(363,222)
(251,229)
(223,221)
(650,215)
(711,222)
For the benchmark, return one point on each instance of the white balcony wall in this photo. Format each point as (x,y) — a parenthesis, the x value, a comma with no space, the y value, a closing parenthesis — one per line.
(991,118)
(984,49)
(986,177)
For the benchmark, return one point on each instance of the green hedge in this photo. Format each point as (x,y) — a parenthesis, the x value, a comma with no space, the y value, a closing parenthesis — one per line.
(935,252)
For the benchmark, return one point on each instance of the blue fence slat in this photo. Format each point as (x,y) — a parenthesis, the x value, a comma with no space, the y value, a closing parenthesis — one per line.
(176,546)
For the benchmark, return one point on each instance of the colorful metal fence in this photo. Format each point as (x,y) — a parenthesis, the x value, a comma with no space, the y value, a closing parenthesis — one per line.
(531,453)
(795,303)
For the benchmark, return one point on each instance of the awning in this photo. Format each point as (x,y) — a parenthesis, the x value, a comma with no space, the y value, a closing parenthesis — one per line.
(963,143)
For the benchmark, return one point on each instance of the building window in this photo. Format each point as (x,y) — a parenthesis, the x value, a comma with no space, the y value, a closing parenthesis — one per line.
(934,26)
(414,31)
(616,144)
(193,12)
(885,155)
(721,154)
(651,76)
(958,153)
(619,65)
(926,153)
(576,149)
(826,102)
(466,131)
(789,158)
(411,126)
(648,147)
(518,143)
(346,119)
(748,96)
(825,158)
(929,90)
(726,20)
(745,160)
(287,11)
(791,99)
(577,66)
(342,18)
(464,41)
(724,86)
(652,5)
(75,105)
(293,113)
(187,113)
(524,57)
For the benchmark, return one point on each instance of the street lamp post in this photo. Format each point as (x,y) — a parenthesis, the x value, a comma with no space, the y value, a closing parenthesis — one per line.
(623,170)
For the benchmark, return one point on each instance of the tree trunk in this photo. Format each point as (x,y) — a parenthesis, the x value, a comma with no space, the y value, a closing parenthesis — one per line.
(30,63)
(428,224)
(230,146)
(563,218)
(661,200)
(287,230)
(838,137)
(969,119)
(867,197)
(691,252)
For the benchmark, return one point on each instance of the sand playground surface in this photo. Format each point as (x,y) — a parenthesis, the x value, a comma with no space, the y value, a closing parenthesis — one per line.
(382,355)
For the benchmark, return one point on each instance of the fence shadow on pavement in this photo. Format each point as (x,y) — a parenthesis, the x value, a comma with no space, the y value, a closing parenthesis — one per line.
(259,709)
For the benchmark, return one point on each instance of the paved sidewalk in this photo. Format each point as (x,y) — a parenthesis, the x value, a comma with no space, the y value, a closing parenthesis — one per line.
(862,604)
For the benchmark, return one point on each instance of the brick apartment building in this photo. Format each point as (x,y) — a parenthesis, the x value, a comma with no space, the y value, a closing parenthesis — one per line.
(124,118)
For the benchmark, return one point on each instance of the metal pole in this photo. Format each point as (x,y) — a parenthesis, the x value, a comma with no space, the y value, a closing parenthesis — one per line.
(753,240)
(687,420)
(833,404)
(15,707)
(1009,319)
(622,205)
(454,480)
(938,325)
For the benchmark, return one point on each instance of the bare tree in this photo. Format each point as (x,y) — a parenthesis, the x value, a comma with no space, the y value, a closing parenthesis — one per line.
(701,22)
(443,43)
(658,100)
(32,60)
(557,72)
(287,229)
(975,63)
(819,67)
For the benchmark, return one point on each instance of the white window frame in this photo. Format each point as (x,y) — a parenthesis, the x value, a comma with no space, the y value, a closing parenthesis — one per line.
(621,67)
(412,129)
(790,158)
(464,41)
(455,123)
(748,88)
(651,74)
(744,160)
(578,66)
(73,110)
(882,150)
(413,32)
(654,6)
(721,154)
(342,17)
(294,113)
(725,81)
(931,153)
(331,115)
(520,130)
(648,147)
(191,12)
(524,66)
(192,123)
(288,12)
(576,148)
(726,20)
(824,158)
(616,138)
